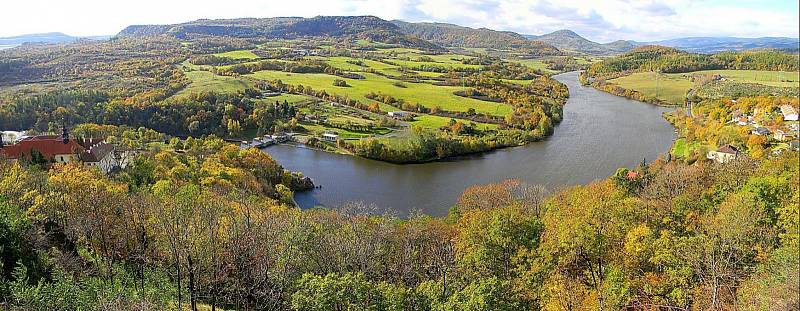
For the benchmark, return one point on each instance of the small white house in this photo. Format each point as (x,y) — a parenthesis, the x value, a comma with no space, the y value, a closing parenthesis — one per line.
(400,114)
(781,135)
(330,136)
(724,154)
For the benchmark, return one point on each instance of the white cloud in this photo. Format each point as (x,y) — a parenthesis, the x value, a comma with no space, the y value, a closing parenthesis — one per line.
(598,20)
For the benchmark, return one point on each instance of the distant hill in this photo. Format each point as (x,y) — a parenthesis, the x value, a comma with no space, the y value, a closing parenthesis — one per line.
(357,27)
(459,36)
(51,37)
(710,45)
(571,41)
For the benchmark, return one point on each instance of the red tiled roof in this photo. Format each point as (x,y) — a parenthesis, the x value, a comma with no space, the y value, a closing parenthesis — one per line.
(633,175)
(49,146)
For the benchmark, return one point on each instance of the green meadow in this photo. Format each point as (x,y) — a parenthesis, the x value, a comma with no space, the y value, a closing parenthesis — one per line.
(240,54)
(207,81)
(770,78)
(671,88)
(674,86)
(436,122)
(534,64)
(424,94)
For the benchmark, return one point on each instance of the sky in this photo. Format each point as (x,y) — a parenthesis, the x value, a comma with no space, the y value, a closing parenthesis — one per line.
(598,20)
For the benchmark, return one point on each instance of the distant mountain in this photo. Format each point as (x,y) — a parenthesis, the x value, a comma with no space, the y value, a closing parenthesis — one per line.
(357,27)
(719,44)
(570,41)
(465,37)
(51,37)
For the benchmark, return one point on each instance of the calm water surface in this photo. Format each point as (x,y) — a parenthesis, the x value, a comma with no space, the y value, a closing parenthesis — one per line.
(600,133)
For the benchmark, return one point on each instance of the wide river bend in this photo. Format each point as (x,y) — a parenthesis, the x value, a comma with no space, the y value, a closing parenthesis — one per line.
(600,133)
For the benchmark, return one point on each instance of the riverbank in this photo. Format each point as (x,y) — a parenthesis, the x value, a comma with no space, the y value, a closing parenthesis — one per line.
(599,134)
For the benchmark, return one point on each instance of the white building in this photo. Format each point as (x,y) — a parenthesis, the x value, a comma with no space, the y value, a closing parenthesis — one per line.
(400,114)
(724,154)
(789,113)
(330,136)
(100,155)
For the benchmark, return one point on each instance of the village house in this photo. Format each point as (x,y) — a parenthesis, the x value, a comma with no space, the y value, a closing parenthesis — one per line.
(742,121)
(330,136)
(62,149)
(99,154)
(400,114)
(761,131)
(781,135)
(724,154)
(789,113)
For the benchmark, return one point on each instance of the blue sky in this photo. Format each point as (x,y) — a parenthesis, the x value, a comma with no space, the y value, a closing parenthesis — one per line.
(603,21)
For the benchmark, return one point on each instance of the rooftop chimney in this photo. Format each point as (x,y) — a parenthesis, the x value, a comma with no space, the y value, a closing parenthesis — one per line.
(64,135)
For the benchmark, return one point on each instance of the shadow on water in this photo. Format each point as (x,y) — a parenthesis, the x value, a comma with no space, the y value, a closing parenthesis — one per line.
(600,133)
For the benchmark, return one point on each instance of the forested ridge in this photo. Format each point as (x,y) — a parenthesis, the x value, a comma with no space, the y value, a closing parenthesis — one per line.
(459,36)
(360,27)
(670,60)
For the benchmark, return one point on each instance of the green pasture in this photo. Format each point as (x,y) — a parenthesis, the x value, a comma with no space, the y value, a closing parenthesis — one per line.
(424,94)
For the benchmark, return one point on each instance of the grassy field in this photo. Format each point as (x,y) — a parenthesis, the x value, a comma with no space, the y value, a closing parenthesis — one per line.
(449,64)
(771,78)
(424,94)
(436,122)
(317,130)
(207,81)
(671,88)
(535,64)
(241,54)
(682,149)
(341,63)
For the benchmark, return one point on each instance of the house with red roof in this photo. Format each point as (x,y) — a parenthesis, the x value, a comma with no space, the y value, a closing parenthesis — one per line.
(62,149)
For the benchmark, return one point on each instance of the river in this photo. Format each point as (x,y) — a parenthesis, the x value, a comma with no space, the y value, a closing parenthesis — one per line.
(600,133)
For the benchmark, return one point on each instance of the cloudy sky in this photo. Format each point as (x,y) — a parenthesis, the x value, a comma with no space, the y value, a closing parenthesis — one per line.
(599,20)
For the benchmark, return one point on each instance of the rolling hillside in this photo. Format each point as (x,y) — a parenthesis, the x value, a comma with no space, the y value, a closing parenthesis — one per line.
(459,36)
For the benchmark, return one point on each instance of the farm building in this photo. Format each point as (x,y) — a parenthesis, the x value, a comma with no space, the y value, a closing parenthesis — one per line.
(789,113)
